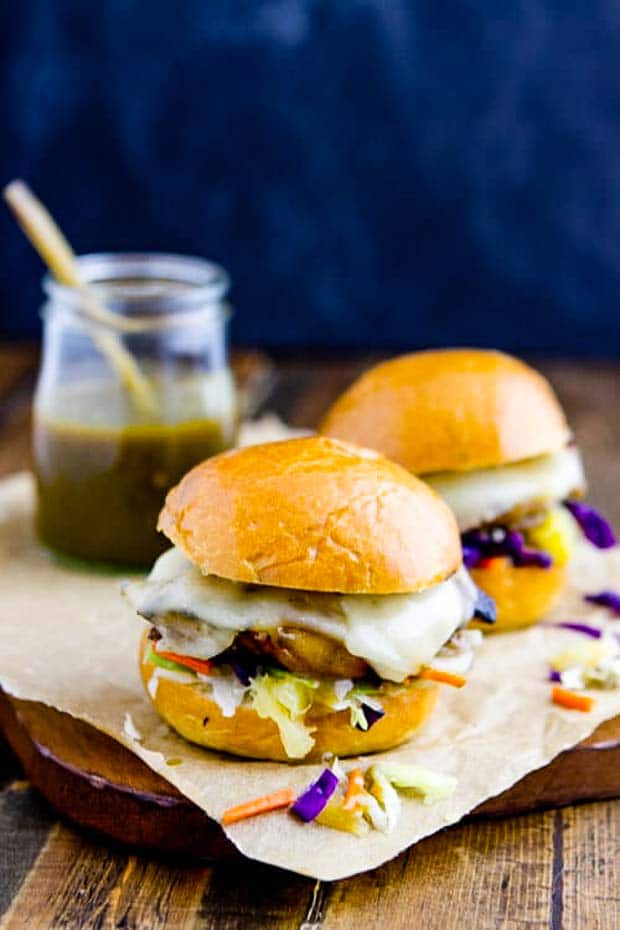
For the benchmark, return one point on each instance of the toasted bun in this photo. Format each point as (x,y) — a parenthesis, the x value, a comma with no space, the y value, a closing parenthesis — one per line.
(197,718)
(450,410)
(522,595)
(313,514)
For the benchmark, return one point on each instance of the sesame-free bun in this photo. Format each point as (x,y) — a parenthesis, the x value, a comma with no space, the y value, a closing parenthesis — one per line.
(522,595)
(314,514)
(451,410)
(192,713)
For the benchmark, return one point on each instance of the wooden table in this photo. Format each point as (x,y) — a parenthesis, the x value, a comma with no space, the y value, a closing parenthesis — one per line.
(553,869)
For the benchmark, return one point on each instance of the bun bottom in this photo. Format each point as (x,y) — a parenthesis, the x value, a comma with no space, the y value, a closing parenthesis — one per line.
(522,595)
(197,718)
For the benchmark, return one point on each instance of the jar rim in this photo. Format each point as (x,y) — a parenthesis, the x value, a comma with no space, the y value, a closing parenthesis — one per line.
(141,305)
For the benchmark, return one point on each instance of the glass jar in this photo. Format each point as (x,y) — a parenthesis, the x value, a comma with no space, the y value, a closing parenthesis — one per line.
(104,458)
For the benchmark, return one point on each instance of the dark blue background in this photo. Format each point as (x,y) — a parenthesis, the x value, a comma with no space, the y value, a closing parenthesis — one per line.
(371,173)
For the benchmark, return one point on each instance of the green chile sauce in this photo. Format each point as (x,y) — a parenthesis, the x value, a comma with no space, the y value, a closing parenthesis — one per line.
(102,481)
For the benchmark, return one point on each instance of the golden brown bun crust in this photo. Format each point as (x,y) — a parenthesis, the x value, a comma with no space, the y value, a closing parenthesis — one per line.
(197,718)
(522,595)
(314,514)
(450,410)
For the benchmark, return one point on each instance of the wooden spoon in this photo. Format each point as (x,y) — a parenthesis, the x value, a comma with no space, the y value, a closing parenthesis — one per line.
(47,238)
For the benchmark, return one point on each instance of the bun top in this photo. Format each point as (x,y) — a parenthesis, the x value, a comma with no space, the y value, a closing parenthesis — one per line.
(313,514)
(451,410)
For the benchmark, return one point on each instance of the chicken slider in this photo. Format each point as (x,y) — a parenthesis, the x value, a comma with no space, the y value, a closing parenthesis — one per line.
(313,598)
(486,431)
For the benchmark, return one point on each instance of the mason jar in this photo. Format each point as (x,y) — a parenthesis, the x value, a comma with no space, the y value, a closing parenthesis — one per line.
(134,389)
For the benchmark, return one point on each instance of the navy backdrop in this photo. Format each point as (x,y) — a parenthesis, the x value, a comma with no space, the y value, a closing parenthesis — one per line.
(371,172)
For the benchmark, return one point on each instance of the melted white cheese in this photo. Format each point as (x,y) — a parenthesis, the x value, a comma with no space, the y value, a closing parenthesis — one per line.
(484,494)
(395,634)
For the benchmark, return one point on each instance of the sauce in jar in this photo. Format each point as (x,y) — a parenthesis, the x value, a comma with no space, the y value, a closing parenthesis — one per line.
(101,486)
(103,463)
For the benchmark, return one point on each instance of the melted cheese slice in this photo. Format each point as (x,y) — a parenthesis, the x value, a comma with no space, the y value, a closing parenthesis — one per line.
(395,634)
(484,494)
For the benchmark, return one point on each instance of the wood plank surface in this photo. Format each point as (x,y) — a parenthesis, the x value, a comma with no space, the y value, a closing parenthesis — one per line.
(590,856)
(469,877)
(550,870)
(95,782)
(25,821)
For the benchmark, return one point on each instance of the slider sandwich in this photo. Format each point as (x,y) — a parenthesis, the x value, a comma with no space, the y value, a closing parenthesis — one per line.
(487,433)
(313,598)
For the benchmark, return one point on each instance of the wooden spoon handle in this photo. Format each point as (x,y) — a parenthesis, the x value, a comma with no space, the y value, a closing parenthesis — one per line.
(49,241)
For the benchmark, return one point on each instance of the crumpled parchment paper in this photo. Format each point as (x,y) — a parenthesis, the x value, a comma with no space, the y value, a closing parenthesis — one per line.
(69,640)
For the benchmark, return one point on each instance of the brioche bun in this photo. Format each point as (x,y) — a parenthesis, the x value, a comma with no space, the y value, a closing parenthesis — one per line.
(451,410)
(522,595)
(199,719)
(313,514)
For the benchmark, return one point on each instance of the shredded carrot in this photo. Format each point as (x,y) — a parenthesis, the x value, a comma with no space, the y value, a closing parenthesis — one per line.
(492,561)
(197,665)
(571,700)
(447,678)
(355,789)
(270,802)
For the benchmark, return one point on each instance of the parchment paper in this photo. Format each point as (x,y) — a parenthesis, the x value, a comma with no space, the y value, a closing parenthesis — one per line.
(68,639)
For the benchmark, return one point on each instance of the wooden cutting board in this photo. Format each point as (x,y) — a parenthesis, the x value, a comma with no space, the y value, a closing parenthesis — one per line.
(95,782)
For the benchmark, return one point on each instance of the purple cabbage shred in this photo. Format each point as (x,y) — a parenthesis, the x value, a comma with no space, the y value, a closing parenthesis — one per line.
(471,556)
(578,627)
(499,541)
(593,525)
(311,802)
(371,715)
(241,673)
(485,608)
(608,599)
